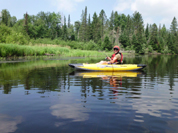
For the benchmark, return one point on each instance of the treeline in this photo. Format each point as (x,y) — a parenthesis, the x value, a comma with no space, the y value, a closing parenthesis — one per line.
(95,32)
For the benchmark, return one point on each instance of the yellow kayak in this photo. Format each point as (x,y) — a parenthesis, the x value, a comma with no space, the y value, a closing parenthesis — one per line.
(108,67)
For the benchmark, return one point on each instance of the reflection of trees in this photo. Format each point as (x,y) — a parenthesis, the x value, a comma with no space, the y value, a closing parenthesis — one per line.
(7,88)
(162,66)
(12,74)
(158,66)
(98,85)
(95,84)
(45,79)
(51,75)
(51,79)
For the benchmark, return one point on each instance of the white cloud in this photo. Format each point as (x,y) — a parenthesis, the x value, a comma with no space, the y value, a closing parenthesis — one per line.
(122,5)
(65,5)
(8,123)
(157,10)
(69,111)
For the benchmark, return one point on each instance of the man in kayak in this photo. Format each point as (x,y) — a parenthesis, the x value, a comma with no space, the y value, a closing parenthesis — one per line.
(116,58)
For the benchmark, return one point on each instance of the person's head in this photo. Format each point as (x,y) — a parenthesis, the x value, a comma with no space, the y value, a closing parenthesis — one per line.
(116,49)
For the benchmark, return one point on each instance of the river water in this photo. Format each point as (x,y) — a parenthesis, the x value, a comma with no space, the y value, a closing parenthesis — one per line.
(46,95)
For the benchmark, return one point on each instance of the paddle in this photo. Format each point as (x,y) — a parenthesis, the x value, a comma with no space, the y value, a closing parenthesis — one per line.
(106,56)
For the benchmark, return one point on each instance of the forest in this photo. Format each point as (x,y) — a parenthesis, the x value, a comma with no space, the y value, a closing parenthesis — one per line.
(92,32)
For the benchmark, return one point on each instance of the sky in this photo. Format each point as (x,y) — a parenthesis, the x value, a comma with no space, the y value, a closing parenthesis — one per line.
(152,11)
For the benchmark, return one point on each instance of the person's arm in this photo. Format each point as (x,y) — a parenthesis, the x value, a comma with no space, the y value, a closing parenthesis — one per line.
(117,57)
(112,61)
(109,58)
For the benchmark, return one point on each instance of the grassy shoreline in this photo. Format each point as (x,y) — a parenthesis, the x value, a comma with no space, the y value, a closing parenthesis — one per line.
(11,50)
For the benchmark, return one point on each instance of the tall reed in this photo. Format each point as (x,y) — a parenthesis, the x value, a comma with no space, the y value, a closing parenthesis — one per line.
(7,50)
(25,50)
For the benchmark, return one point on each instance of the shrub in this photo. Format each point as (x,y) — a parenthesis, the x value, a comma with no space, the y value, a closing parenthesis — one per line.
(91,45)
(4,32)
(150,48)
(17,38)
(165,50)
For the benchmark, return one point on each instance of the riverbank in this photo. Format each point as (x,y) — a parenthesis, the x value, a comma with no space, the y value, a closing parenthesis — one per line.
(15,50)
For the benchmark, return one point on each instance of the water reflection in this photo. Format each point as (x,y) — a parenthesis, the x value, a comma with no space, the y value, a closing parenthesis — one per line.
(114,79)
(107,74)
(8,123)
(75,111)
(116,101)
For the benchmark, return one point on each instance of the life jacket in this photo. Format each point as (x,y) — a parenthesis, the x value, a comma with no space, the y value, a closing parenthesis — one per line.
(117,61)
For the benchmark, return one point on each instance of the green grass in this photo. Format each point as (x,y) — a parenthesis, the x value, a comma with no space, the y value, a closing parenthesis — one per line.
(25,50)
(10,50)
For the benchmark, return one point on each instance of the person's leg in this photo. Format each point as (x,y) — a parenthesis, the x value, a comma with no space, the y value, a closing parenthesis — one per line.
(102,62)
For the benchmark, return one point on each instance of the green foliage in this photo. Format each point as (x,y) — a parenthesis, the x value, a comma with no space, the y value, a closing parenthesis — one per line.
(173,27)
(5,19)
(22,50)
(154,38)
(91,45)
(107,44)
(138,27)
(170,43)
(150,49)
(147,33)
(65,34)
(4,32)
(17,38)
(111,22)
(143,49)
(99,34)
(124,40)
(95,28)
(165,50)
(7,35)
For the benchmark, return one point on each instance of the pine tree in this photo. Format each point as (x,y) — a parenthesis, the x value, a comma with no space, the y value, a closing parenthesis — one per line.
(147,32)
(5,17)
(163,31)
(129,25)
(124,39)
(89,29)
(116,21)
(102,17)
(96,28)
(83,27)
(154,37)
(69,21)
(170,43)
(77,27)
(26,23)
(138,30)
(111,22)
(107,44)
(173,27)
(64,35)
(12,21)
(134,42)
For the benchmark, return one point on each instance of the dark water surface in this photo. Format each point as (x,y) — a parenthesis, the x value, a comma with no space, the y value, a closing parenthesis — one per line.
(43,96)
